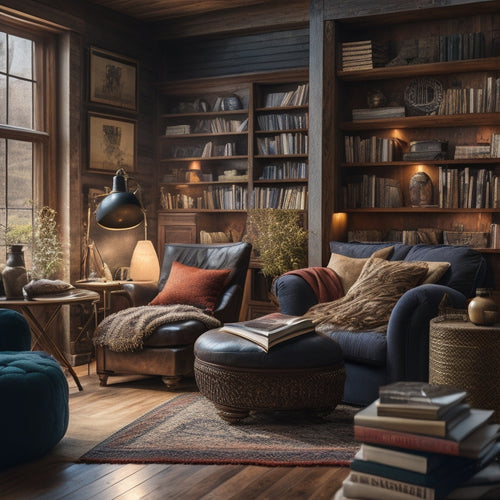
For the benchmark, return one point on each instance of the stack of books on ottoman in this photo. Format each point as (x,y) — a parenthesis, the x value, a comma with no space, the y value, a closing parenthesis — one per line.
(422,441)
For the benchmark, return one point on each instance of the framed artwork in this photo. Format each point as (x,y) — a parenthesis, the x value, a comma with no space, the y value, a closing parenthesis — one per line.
(112,143)
(113,79)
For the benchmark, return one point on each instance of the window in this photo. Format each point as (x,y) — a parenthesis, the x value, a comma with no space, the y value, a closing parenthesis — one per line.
(23,134)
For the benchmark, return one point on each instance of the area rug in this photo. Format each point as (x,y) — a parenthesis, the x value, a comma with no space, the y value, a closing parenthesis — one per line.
(187,429)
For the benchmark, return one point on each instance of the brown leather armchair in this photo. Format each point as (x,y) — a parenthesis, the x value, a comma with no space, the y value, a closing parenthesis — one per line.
(168,352)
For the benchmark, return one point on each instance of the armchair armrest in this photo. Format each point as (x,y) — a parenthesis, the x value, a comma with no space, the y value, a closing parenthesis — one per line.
(294,294)
(228,308)
(140,294)
(408,330)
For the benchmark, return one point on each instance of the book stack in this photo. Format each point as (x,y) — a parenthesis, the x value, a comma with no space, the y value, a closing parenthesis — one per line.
(419,440)
(364,54)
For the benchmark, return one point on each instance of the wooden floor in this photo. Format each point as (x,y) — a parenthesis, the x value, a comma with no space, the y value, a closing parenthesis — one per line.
(96,412)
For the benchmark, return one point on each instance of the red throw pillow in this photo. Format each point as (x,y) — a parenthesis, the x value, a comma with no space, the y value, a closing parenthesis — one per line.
(193,286)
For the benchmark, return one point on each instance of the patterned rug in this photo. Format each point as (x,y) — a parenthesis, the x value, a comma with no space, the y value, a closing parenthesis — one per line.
(188,430)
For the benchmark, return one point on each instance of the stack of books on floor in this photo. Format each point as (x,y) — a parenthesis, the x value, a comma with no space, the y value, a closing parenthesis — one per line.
(422,441)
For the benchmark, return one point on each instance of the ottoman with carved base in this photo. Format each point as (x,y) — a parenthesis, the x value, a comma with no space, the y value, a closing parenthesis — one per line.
(238,376)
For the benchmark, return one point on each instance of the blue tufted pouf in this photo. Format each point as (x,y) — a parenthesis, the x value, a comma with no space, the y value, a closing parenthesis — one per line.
(35,412)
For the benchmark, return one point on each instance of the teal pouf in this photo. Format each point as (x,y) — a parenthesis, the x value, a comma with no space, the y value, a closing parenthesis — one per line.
(35,412)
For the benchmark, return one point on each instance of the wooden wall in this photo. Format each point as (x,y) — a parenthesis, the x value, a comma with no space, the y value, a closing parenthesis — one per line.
(199,58)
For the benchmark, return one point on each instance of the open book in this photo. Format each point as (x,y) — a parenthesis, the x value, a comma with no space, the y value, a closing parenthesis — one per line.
(271,329)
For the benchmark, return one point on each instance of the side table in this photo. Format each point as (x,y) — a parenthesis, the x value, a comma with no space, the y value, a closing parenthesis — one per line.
(106,289)
(41,331)
(467,356)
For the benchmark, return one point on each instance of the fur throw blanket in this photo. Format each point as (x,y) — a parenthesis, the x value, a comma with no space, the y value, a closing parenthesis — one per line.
(126,330)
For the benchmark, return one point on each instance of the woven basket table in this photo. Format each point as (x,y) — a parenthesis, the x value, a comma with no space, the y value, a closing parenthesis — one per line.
(467,356)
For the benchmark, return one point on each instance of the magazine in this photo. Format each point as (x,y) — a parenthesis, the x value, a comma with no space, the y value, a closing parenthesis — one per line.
(270,329)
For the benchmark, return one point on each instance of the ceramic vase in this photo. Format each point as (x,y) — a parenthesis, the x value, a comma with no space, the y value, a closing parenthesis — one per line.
(482,308)
(14,275)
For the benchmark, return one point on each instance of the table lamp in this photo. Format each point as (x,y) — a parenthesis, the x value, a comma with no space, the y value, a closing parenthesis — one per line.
(144,265)
(194,171)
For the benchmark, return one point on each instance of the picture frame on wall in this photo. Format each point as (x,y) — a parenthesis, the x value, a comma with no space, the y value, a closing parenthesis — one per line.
(112,143)
(113,79)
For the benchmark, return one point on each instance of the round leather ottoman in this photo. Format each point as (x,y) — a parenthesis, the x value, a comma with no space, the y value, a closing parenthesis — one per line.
(35,413)
(304,373)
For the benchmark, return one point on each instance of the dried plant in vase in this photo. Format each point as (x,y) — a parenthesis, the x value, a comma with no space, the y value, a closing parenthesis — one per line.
(278,239)
(45,245)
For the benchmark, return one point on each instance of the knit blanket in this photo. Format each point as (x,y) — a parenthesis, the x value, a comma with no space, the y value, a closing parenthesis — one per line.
(126,330)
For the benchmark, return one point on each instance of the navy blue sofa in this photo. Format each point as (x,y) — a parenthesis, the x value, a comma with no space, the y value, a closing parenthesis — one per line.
(373,359)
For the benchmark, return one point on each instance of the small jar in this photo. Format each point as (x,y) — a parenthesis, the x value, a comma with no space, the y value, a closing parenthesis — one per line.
(482,309)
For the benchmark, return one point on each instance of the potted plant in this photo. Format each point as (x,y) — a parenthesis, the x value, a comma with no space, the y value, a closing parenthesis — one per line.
(278,239)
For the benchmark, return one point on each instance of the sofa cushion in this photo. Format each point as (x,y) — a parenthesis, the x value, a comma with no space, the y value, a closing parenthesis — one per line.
(364,347)
(193,286)
(348,269)
(369,303)
(467,266)
(361,250)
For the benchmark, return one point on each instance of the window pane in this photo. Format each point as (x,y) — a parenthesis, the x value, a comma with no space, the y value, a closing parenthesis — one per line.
(19,184)
(3,99)
(3,52)
(20,57)
(20,103)
(3,175)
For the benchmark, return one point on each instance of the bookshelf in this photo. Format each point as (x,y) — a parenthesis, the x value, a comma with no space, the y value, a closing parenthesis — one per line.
(226,145)
(446,96)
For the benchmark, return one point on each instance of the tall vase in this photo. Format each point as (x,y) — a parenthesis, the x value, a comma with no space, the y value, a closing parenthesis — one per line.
(14,275)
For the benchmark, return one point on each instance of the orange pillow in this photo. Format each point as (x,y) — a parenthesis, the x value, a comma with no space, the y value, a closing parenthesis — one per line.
(193,286)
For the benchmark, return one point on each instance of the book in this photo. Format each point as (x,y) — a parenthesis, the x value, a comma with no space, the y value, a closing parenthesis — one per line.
(367,486)
(422,394)
(411,460)
(472,446)
(270,329)
(450,472)
(483,484)
(453,427)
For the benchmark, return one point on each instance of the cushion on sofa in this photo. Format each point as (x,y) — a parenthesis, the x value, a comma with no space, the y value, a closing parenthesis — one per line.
(348,269)
(367,306)
(363,250)
(467,267)
(364,347)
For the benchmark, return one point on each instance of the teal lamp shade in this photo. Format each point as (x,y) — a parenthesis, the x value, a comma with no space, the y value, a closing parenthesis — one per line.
(120,209)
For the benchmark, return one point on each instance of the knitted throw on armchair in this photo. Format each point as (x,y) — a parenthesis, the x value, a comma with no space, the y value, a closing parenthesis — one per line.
(126,330)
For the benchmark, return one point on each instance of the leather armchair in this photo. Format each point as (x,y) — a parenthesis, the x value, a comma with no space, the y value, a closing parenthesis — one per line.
(168,352)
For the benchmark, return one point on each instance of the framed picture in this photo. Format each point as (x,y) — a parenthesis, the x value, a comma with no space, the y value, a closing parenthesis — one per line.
(113,79)
(112,143)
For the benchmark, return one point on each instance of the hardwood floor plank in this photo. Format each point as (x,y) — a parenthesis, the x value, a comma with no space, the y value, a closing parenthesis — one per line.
(97,412)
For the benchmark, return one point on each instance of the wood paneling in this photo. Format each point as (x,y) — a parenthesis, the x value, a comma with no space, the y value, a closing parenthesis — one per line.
(239,54)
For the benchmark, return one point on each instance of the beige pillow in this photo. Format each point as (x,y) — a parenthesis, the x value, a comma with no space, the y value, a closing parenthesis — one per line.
(349,268)
(436,271)
(368,305)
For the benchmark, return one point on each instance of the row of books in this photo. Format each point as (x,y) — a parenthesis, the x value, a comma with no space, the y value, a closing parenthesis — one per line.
(286,170)
(211,149)
(280,197)
(365,54)
(283,121)
(372,191)
(459,46)
(422,441)
(485,99)
(283,144)
(468,188)
(371,149)
(232,197)
(220,126)
(297,97)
